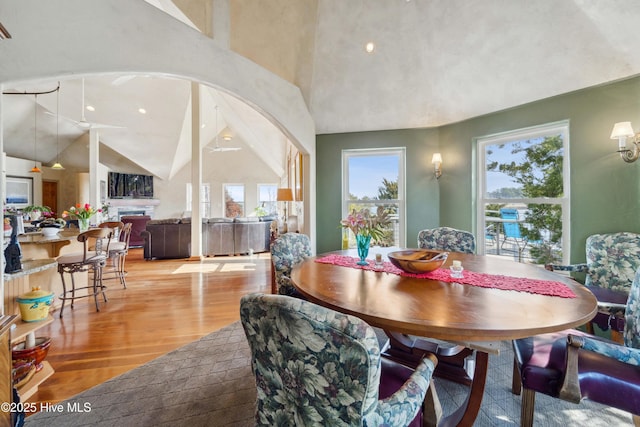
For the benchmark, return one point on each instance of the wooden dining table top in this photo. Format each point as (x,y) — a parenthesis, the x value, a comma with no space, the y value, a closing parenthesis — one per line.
(447,311)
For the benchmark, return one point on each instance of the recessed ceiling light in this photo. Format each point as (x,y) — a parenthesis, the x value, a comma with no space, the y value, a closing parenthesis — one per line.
(142,111)
(90,108)
(204,125)
(370,47)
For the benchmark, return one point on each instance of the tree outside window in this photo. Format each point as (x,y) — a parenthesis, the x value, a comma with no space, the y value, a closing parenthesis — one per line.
(373,178)
(526,171)
(233,200)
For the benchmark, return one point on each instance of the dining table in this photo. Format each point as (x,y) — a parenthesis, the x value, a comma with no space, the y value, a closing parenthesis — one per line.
(496,300)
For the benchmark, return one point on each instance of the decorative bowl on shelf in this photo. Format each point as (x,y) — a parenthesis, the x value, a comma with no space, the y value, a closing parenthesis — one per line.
(34,305)
(418,261)
(36,353)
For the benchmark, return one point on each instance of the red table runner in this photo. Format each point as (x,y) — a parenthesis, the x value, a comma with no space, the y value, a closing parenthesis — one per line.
(484,280)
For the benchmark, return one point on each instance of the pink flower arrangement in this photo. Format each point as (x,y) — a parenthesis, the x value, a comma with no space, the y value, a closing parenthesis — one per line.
(363,223)
(80,211)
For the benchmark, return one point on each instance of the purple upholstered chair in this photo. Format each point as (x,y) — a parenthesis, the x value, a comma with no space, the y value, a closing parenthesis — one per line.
(611,262)
(572,365)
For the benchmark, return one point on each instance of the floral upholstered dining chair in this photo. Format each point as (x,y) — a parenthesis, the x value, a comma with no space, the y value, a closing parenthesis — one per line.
(453,358)
(447,239)
(611,262)
(315,366)
(288,250)
(573,365)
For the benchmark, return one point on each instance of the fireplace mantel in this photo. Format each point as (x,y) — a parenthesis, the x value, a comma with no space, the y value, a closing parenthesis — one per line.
(124,207)
(133,202)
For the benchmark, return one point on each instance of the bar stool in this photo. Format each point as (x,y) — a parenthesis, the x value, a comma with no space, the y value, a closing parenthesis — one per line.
(93,260)
(111,266)
(118,250)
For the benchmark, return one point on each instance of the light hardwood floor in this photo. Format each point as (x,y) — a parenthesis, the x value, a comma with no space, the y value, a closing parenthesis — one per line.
(167,303)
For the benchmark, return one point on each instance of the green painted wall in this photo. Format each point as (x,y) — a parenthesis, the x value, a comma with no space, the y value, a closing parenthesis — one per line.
(605,191)
(422,187)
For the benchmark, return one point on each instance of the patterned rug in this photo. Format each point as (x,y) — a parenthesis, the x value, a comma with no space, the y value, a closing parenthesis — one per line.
(209,383)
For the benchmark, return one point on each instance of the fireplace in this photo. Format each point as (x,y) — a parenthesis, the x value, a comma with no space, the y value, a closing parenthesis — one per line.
(122,212)
(131,207)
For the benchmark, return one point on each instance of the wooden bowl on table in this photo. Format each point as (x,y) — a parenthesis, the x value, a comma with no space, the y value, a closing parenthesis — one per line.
(418,261)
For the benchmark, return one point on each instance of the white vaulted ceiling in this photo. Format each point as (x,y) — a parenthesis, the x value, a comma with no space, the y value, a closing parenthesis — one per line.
(435,62)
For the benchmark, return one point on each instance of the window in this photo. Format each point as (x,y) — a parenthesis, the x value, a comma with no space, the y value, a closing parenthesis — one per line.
(267,198)
(205,200)
(523,194)
(233,200)
(373,178)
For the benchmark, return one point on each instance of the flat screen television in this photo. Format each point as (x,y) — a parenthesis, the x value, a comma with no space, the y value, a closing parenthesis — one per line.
(130,186)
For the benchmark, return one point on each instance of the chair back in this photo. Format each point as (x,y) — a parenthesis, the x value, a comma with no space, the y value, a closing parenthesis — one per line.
(632,314)
(447,239)
(125,234)
(95,237)
(612,260)
(116,226)
(288,250)
(313,366)
(511,229)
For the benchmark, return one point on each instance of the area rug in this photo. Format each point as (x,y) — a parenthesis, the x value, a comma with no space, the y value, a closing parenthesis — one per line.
(209,383)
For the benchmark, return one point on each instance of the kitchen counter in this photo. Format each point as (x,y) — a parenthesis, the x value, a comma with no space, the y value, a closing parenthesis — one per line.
(55,243)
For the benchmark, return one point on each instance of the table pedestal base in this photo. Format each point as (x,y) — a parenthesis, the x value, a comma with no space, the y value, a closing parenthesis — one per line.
(452,359)
(451,366)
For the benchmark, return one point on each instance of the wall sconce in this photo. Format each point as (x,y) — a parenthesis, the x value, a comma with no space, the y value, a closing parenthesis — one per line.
(621,131)
(437,164)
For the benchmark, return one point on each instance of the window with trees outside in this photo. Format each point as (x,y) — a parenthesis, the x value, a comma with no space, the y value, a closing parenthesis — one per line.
(205,200)
(233,200)
(372,178)
(267,204)
(523,194)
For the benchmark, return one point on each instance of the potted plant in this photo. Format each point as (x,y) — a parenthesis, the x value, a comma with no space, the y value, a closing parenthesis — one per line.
(33,212)
(260,211)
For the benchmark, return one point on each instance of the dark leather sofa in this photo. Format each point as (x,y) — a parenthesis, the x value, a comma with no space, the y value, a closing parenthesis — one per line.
(171,238)
(167,238)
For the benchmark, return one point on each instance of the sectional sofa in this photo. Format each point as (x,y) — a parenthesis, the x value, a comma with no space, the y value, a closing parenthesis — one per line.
(171,238)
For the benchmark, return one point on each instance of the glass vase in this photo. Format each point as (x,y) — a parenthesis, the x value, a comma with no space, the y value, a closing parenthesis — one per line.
(83,224)
(362,243)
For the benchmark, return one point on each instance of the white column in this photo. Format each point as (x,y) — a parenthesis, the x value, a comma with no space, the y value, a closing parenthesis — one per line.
(94,161)
(196,172)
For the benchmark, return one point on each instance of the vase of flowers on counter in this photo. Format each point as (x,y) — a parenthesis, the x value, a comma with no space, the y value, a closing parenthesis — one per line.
(82,213)
(366,227)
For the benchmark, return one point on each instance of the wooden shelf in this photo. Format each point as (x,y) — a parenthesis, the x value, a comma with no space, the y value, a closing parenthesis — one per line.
(30,388)
(22,329)
(15,285)
(18,334)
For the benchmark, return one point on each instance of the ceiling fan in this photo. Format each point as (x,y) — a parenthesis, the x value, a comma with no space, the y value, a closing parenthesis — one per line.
(218,148)
(83,123)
